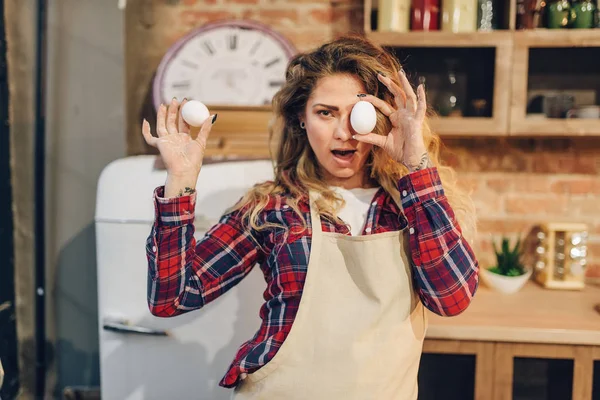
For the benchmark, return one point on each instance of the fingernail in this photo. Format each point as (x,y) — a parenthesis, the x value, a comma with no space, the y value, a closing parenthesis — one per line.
(185,99)
(361,95)
(214,118)
(354,137)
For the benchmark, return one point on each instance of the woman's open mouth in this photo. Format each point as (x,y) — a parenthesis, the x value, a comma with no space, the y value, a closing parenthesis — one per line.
(343,155)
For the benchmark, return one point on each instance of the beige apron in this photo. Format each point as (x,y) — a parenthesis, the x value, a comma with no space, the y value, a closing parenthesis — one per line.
(359,330)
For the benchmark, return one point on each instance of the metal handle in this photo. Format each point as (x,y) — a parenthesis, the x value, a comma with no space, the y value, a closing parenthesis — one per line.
(124,327)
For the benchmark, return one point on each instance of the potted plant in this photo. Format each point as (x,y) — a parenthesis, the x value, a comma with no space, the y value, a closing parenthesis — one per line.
(509,275)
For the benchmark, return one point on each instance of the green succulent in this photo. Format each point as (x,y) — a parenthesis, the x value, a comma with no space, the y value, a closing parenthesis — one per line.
(509,260)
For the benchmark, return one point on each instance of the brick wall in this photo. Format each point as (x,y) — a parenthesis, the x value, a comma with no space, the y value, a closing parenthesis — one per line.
(305,22)
(516,183)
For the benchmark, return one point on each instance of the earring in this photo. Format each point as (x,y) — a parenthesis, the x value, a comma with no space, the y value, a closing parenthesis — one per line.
(302,125)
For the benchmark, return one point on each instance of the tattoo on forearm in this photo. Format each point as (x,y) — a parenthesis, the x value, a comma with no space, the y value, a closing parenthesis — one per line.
(425,162)
(186,191)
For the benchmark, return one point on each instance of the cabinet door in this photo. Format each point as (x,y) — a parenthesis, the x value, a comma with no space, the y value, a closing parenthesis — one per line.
(555,73)
(542,379)
(545,372)
(455,369)
(447,376)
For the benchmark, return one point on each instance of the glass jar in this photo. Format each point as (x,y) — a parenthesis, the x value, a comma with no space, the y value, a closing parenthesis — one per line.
(449,101)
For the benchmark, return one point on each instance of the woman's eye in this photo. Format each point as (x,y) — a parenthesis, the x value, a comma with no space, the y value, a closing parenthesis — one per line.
(324,112)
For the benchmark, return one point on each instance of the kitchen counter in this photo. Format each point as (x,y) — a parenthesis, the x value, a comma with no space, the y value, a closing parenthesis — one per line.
(532,323)
(532,315)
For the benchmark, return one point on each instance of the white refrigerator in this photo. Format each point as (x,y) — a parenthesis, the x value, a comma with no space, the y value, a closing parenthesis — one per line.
(179,358)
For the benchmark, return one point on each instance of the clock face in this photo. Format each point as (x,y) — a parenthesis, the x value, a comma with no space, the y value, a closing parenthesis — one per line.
(239,63)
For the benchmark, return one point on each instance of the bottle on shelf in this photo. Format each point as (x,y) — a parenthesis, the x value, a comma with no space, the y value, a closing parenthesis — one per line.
(449,101)
(585,14)
(459,16)
(425,15)
(559,14)
(393,16)
(487,15)
(530,13)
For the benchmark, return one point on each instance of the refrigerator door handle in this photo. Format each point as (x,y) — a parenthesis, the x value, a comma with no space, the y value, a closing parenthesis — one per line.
(122,326)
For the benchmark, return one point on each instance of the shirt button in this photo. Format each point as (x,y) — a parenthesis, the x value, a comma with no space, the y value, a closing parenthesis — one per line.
(285,207)
(404,193)
(154,249)
(411,230)
(368,230)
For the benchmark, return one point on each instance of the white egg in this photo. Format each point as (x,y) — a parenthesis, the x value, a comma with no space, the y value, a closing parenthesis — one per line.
(363,117)
(194,113)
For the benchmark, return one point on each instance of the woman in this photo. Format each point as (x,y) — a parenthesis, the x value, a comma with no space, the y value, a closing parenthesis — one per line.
(355,235)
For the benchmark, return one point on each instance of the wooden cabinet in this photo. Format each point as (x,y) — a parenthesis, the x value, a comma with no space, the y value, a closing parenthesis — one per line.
(510,371)
(500,43)
(507,335)
(566,55)
(513,78)
(477,357)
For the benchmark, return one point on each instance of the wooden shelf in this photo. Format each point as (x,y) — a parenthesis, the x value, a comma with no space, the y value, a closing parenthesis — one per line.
(454,126)
(557,38)
(511,74)
(440,39)
(528,38)
(520,123)
(511,69)
(555,127)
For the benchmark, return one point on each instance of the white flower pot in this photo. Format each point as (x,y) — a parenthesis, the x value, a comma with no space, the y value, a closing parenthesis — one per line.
(504,284)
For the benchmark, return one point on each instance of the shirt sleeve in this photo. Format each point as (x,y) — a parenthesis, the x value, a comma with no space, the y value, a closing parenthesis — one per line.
(184,275)
(446,269)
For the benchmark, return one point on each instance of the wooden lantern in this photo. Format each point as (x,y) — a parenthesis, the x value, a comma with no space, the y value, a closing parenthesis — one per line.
(560,255)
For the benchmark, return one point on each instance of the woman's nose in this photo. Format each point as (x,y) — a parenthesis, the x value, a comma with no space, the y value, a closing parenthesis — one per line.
(343,131)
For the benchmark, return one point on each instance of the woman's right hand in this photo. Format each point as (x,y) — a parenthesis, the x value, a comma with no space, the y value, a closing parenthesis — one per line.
(181,154)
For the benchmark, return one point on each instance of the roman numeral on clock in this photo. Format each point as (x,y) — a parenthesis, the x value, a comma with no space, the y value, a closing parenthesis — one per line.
(181,85)
(255,47)
(233,41)
(189,64)
(209,47)
(272,62)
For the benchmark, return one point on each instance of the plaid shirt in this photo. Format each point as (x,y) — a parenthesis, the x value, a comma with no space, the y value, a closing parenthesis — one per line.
(184,275)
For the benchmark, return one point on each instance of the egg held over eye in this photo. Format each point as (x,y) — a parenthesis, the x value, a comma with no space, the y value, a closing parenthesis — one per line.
(363,117)
(194,113)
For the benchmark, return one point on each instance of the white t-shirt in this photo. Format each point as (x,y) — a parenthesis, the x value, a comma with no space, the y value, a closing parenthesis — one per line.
(357,206)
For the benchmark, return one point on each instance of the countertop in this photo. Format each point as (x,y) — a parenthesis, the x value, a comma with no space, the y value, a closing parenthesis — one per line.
(532,315)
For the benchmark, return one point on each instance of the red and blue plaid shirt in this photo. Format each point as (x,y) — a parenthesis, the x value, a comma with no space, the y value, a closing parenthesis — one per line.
(444,265)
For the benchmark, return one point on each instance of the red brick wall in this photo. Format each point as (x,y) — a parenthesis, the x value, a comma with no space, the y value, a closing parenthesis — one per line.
(516,183)
(305,22)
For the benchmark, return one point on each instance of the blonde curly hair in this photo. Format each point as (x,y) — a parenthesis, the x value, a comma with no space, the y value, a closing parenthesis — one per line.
(295,165)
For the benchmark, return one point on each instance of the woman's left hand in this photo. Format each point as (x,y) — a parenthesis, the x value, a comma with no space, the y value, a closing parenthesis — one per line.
(404,143)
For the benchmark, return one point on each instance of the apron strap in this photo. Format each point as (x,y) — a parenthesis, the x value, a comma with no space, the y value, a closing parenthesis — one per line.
(315,218)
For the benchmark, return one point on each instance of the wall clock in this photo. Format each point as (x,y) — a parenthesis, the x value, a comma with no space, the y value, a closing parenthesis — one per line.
(224,63)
